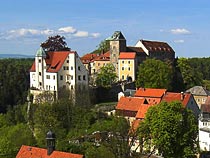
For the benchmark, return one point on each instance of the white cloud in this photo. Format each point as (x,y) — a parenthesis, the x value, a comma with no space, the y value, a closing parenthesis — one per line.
(68,32)
(180,31)
(95,35)
(179,41)
(81,34)
(68,29)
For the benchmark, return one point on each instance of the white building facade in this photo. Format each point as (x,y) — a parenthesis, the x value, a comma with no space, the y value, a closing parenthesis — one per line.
(53,71)
(204,128)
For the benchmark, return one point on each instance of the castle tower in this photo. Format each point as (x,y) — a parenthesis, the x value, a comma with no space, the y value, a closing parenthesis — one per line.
(40,65)
(117,45)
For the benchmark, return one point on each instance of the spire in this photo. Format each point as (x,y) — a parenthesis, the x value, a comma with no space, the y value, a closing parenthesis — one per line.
(50,142)
(40,52)
(116,36)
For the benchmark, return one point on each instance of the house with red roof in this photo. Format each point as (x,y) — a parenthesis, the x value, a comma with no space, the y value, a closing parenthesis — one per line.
(52,71)
(186,99)
(50,152)
(127,66)
(35,152)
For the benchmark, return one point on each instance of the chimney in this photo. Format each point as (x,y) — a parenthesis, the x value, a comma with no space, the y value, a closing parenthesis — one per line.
(182,96)
(50,142)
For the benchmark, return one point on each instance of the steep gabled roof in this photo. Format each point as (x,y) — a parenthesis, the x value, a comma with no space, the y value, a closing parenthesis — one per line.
(116,36)
(103,57)
(150,92)
(34,152)
(54,61)
(135,49)
(157,46)
(127,55)
(87,58)
(130,104)
(198,90)
(142,111)
(183,98)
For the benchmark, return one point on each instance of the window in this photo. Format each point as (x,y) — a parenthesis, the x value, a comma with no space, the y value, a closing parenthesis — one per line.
(54,88)
(129,62)
(129,68)
(40,60)
(40,73)
(53,77)
(40,83)
(122,77)
(84,77)
(48,76)
(71,67)
(123,61)
(46,87)
(98,64)
(67,77)
(122,68)
(79,68)
(61,77)
(71,77)
(67,61)
(79,77)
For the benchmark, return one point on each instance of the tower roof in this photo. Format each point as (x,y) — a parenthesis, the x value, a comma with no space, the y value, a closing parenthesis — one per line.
(116,36)
(40,52)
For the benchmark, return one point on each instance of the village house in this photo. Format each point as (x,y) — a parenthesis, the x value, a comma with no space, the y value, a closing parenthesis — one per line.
(53,71)
(35,152)
(204,126)
(200,94)
(134,108)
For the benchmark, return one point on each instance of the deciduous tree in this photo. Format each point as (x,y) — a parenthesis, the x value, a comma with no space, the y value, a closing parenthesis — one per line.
(171,129)
(55,43)
(106,76)
(154,73)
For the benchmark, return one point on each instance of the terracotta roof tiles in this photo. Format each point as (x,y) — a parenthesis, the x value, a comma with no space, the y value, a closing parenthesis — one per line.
(129,103)
(35,152)
(127,55)
(183,98)
(54,61)
(150,92)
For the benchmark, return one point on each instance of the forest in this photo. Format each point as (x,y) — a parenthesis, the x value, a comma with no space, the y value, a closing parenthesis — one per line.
(73,125)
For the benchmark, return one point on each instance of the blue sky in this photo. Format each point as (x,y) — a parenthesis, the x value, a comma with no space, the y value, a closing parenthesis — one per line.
(183,24)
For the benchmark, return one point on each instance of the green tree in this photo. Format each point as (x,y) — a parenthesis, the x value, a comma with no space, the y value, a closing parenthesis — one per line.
(154,73)
(12,137)
(55,43)
(104,46)
(106,76)
(170,129)
(191,77)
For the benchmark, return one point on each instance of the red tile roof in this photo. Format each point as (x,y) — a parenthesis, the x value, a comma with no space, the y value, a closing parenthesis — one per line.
(103,57)
(183,98)
(142,111)
(150,92)
(129,104)
(157,46)
(34,152)
(54,61)
(127,55)
(88,57)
